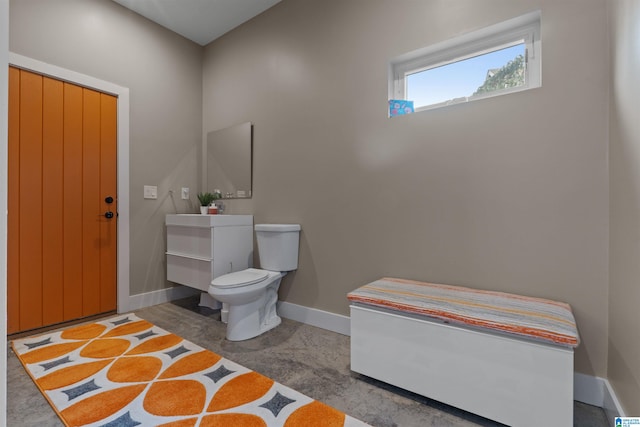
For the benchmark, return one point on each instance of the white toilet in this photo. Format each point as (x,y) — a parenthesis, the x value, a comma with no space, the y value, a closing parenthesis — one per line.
(251,294)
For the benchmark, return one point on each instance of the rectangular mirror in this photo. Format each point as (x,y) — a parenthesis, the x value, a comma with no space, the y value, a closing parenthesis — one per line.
(229,158)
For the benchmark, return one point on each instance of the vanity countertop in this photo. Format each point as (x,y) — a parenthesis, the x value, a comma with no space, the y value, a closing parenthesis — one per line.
(199,220)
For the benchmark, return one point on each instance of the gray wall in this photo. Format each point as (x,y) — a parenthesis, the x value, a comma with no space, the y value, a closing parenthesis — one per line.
(624,294)
(508,193)
(163,71)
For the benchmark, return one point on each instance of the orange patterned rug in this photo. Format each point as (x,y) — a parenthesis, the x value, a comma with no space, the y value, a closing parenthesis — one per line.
(125,372)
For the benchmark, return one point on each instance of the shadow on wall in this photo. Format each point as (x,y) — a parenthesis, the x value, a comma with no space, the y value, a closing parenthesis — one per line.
(624,374)
(305,261)
(620,377)
(148,227)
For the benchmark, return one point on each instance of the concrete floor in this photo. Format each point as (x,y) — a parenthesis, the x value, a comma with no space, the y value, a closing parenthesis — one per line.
(310,360)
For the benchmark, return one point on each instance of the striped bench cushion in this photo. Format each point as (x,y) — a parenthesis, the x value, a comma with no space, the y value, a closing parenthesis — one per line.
(537,318)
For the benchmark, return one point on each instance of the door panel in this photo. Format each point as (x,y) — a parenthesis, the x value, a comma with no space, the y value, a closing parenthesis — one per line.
(108,188)
(52,191)
(30,209)
(90,203)
(72,201)
(62,166)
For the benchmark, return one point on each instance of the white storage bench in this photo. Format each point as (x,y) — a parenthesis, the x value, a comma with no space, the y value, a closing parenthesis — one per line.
(505,357)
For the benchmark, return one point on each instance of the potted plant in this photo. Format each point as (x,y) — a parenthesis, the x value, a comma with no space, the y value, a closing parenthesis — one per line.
(205,200)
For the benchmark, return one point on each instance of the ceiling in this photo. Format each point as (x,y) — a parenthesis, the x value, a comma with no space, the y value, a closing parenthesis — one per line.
(201,21)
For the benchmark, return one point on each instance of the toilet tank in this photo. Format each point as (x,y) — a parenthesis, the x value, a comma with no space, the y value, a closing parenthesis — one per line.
(278,246)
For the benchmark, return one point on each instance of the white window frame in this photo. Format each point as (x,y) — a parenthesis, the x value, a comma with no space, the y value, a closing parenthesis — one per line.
(525,28)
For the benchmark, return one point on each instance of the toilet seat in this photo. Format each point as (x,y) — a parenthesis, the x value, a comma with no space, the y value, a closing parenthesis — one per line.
(237,279)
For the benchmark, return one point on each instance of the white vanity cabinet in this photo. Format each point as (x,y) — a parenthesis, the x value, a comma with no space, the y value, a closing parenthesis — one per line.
(202,247)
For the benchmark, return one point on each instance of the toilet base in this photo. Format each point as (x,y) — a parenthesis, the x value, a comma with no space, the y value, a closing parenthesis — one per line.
(247,321)
(224,313)
(271,324)
(208,301)
(247,328)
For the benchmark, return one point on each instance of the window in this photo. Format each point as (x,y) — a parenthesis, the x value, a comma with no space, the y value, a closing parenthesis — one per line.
(497,60)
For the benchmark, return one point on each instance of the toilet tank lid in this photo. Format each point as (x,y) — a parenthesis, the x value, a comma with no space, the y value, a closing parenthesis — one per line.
(277,227)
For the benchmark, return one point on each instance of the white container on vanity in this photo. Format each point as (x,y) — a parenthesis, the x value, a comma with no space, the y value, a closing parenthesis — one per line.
(203,247)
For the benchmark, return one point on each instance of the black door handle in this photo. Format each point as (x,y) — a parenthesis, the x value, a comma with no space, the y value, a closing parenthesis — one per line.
(108,200)
(108,214)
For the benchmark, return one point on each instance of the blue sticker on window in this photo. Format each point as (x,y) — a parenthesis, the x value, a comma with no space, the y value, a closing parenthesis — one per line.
(399,107)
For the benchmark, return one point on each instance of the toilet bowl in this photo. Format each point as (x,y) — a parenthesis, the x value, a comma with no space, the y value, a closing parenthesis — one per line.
(251,295)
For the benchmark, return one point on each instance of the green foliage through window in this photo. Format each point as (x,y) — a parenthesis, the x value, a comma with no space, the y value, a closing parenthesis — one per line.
(510,75)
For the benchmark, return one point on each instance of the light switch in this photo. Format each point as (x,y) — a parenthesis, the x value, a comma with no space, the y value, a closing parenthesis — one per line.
(185,193)
(150,192)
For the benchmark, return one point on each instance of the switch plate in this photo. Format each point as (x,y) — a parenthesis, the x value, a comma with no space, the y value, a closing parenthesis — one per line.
(185,193)
(150,192)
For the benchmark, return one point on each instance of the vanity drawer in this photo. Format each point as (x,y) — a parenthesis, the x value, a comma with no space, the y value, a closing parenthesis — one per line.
(194,272)
(192,241)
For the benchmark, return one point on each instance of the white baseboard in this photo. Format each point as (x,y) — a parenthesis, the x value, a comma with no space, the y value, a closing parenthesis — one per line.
(160,296)
(314,317)
(588,389)
(611,404)
(598,392)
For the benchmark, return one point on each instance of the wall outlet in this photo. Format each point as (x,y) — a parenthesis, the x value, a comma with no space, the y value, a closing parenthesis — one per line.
(150,192)
(185,193)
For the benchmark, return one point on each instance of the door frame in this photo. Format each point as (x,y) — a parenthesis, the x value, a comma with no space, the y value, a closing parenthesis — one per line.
(122,94)
(4,125)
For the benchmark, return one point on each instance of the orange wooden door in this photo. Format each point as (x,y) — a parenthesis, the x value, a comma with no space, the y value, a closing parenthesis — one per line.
(61,249)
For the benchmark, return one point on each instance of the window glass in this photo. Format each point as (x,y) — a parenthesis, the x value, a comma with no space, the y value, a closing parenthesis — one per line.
(497,70)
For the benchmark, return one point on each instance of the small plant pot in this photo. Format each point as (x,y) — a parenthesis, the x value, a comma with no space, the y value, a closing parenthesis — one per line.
(204,210)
